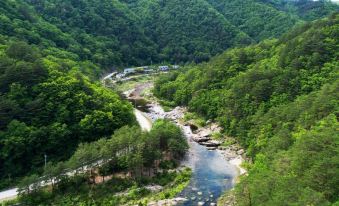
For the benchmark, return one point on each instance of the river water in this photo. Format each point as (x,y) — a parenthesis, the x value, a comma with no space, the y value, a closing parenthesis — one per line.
(212,175)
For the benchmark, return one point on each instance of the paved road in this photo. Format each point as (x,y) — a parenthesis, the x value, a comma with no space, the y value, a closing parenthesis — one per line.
(8,194)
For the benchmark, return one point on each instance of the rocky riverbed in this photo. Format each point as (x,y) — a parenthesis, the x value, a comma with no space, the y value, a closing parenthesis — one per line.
(202,135)
(211,159)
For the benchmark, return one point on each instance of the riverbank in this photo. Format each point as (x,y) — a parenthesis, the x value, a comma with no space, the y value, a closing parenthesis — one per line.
(217,155)
(233,153)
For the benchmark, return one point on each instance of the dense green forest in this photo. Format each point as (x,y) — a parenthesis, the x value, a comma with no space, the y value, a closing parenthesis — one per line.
(137,32)
(48,107)
(304,9)
(129,150)
(276,97)
(279,99)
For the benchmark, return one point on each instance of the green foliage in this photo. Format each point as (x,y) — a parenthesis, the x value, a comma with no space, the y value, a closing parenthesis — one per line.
(137,32)
(169,137)
(47,111)
(279,99)
(247,14)
(76,191)
(305,9)
(130,151)
(48,106)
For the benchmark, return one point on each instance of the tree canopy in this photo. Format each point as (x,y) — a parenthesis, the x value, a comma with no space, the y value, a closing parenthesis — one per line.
(138,32)
(46,110)
(279,99)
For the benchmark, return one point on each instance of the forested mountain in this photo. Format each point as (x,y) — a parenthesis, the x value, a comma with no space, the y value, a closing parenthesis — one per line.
(304,9)
(188,30)
(138,32)
(258,20)
(279,98)
(52,50)
(107,31)
(48,108)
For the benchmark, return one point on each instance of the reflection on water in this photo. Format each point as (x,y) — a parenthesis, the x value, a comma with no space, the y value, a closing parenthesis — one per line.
(212,174)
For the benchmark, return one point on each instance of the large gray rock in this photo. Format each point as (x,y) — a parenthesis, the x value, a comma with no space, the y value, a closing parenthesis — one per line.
(205,133)
(199,139)
(211,143)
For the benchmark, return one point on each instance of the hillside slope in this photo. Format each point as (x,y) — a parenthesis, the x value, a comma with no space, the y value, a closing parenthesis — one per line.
(280,100)
(260,21)
(138,32)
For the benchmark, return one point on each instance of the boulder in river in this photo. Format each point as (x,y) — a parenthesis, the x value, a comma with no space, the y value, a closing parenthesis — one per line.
(211,143)
(198,138)
(205,133)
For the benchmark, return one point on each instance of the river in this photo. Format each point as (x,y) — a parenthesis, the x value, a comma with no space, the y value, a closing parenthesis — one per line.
(212,174)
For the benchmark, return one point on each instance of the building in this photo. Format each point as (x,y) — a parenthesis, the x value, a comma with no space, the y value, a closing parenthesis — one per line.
(163,68)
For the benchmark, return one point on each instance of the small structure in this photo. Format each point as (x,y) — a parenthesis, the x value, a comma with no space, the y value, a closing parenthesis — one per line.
(163,68)
(129,70)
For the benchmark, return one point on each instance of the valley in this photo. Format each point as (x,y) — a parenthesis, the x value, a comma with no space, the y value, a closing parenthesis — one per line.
(238,105)
(214,171)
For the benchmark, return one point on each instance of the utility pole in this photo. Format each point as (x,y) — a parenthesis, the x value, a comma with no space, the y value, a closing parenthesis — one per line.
(45,160)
